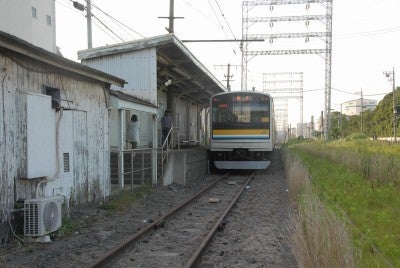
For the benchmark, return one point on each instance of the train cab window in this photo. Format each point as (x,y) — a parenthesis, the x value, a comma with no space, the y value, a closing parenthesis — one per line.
(239,108)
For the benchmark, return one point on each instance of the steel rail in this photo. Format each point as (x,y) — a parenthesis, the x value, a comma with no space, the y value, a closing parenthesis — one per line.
(106,259)
(193,261)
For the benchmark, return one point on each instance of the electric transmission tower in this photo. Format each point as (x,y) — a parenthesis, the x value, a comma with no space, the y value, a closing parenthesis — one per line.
(251,18)
(284,86)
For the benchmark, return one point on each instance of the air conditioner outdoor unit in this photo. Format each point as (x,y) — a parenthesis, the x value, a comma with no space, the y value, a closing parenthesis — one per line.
(42,216)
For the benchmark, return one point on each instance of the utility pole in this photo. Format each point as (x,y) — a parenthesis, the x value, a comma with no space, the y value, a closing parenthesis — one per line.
(228,76)
(391,77)
(89,22)
(361,113)
(81,7)
(394,107)
(171,17)
(341,122)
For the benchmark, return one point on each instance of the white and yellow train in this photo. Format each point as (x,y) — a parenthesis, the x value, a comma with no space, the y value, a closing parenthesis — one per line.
(242,130)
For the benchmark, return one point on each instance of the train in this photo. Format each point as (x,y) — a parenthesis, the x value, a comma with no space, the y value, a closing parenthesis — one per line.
(242,130)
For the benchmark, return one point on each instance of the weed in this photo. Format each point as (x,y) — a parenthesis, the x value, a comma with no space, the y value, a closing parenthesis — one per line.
(320,237)
(67,228)
(121,200)
(371,209)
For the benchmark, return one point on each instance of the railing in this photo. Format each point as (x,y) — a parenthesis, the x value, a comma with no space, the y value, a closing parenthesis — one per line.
(169,143)
(137,154)
(138,163)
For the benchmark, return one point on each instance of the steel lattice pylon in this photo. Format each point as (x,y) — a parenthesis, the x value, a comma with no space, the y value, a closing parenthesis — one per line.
(247,54)
(284,86)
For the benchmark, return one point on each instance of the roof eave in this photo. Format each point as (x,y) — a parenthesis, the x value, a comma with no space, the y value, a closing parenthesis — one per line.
(17,45)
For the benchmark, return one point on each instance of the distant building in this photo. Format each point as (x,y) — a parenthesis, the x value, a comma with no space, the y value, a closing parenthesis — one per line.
(354,107)
(304,130)
(30,20)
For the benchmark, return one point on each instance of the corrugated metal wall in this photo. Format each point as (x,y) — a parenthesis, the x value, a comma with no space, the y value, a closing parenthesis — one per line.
(138,68)
(186,117)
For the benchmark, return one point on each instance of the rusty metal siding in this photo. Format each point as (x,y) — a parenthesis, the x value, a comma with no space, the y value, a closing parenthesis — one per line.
(86,100)
(138,68)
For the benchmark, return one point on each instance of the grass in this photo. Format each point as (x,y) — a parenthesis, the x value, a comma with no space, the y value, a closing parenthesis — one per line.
(117,202)
(319,236)
(378,162)
(122,200)
(370,207)
(67,228)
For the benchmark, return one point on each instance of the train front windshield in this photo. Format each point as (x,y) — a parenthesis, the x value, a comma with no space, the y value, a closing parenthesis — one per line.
(241,111)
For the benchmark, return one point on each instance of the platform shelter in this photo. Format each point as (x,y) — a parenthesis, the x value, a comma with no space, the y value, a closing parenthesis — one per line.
(161,74)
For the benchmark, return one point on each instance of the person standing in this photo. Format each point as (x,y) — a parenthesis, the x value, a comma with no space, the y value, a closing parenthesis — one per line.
(166,125)
(132,134)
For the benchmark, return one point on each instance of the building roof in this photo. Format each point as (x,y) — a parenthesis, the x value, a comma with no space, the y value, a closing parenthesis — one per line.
(188,77)
(11,43)
(359,100)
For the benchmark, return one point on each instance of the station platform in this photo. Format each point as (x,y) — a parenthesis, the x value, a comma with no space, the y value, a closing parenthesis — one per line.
(186,163)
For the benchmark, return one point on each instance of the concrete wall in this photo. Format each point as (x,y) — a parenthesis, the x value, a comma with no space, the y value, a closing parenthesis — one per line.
(82,135)
(186,165)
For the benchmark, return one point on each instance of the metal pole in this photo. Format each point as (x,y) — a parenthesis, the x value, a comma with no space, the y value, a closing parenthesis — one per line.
(171,16)
(362,101)
(394,108)
(341,122)
(89,22)
(228,86)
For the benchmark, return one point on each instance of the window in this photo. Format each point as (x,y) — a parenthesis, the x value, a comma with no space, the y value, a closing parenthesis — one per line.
(34,12)
(48,20)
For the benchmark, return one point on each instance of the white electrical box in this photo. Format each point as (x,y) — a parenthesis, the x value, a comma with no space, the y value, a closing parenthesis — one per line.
(40,127)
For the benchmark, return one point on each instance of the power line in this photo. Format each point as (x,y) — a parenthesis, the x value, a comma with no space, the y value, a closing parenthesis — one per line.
(108,28)
(222,26)
(201,13)
(368,33)
(105,31)
(118,22)
(352,93)
(222,14)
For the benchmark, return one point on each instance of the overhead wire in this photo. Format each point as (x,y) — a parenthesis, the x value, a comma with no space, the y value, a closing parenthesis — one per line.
(227,23)
(104,30)
(220,23)
(118,22)
(108,28)
(66,6)
(201,13)
(103,26)
(367,33)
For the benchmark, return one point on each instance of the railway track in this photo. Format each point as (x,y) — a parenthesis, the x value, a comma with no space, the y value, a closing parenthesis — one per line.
(178,238)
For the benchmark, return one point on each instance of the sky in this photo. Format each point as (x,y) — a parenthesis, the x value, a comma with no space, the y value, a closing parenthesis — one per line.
(364,46)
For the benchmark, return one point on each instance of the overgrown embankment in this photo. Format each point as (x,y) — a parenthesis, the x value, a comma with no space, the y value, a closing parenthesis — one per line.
(356,187)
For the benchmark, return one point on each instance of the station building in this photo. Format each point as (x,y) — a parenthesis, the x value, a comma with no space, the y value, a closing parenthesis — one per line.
(161,74)
(62,122)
